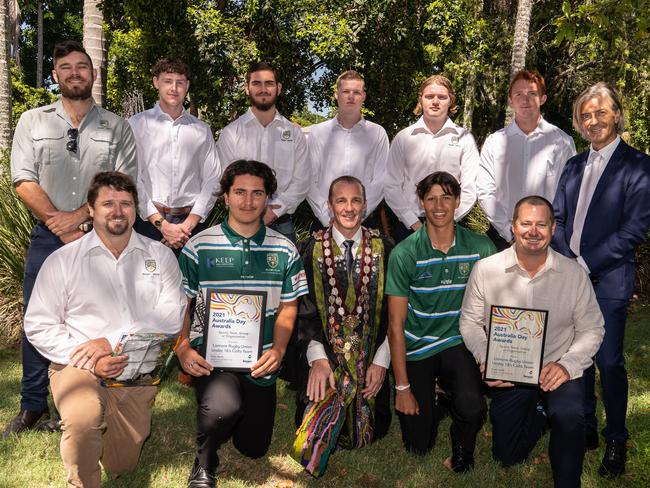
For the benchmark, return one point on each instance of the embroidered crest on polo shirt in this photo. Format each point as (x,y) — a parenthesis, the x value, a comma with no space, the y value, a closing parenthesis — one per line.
(272,260)
(103,124)
(454,141)
(463,269)
(150,265)
(286,135)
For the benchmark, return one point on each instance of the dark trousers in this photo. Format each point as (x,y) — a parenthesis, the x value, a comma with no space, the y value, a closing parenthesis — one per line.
(499,242)
(458,373)
(519,418)
(230,405)
(284,225)
(34,385)
(613,376)
(147,229)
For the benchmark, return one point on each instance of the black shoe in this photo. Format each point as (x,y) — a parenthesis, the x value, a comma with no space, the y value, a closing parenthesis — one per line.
(200,477)
(50,425)
(26,419)
(461,459)
(613,464)
(591,437)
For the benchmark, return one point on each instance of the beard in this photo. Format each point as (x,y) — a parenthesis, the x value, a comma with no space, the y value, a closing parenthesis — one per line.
(76,92)
(263,106)
(117,227)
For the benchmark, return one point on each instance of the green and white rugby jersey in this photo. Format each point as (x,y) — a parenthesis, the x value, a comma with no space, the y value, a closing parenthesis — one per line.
(434,283)
(218,257)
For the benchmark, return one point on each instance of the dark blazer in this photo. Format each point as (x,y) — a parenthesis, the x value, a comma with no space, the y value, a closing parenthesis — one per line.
(617,219)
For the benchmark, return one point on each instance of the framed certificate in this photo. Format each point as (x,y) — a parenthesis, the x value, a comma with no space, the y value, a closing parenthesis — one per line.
(234,328)
(515,347)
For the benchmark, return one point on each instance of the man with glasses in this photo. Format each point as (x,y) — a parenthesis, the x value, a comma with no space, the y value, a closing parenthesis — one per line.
(56,151)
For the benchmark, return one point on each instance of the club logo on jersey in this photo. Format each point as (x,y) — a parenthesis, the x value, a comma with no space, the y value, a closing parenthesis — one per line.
(286,135)
(463,269)
(272,260)
(150,265)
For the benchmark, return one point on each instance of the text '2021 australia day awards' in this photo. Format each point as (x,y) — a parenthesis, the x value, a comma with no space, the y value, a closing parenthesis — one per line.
(515,344)
(234,326)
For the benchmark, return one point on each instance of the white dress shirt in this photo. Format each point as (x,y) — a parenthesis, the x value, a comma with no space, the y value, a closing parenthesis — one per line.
(178,164)
(575,326)
(334,151)
(83,292)
(415,153)
(515,165)
(281,145)
(316,350)
(596,163)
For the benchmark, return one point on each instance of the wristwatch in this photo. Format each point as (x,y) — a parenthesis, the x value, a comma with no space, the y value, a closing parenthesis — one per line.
(86,226)
(158,223)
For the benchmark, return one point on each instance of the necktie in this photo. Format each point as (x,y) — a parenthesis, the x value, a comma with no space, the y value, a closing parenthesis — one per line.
(587,187)
(349,260)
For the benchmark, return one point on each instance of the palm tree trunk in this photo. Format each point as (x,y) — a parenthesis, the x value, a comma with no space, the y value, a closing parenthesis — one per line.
(520,42)
(95,44)
(5,77)
(39,45)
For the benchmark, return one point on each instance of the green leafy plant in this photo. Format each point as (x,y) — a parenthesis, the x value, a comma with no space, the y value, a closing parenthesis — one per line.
(15,227)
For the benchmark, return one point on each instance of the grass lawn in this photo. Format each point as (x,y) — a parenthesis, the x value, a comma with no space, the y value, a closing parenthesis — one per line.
(32,460)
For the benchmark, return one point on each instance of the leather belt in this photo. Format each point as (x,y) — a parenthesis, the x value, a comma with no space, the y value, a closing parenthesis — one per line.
(173,210)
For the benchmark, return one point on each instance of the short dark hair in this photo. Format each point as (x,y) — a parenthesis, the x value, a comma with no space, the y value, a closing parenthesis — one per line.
(63,48)
(536,201)
(261,66)
(113,179)
(346,179)
(171,65)
(531,76)
(248,167)
(447,182)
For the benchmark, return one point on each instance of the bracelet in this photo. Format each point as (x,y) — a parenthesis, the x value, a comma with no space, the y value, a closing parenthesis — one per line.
(402,387)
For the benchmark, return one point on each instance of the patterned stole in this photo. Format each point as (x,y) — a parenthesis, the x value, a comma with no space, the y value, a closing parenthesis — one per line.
(343,419)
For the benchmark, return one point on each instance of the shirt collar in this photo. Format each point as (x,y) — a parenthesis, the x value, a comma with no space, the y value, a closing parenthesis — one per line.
(511,262)
(60,111)
(92,241)
(513,129)
(340,238)
(234,237)
(249,117)
(607,151)
(361,124)
(158,113)
(448,126)
(423,236)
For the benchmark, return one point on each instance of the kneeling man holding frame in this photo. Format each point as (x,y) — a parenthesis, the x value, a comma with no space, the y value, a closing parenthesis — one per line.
(245,277)
(525,292)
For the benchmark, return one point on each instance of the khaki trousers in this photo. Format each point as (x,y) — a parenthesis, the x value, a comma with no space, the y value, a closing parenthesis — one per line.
(99,424)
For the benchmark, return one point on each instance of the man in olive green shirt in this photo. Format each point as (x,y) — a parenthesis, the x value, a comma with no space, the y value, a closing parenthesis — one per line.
(56,151)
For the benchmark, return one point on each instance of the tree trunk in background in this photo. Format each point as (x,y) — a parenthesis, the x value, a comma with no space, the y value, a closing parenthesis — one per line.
(5,76)
(95,44)
(520,42)
(39,47)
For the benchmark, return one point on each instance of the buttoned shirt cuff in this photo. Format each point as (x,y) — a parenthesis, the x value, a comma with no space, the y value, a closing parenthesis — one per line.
(410,217)
(151,209)
(200,210)
(382,356)
(571,367)
(315,351)
(582,263)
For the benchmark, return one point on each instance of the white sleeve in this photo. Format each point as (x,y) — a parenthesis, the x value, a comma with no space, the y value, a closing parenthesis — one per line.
(472,316)
(379,158)
(382,356)
(469,164)
(315,351)
(210,176)
(317,196)
(394,185)
(300,181)
(45,316)
(146,206)
(227,146)
(487,189)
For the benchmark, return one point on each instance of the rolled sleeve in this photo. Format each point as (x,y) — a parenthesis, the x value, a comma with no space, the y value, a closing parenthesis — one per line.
(24,166)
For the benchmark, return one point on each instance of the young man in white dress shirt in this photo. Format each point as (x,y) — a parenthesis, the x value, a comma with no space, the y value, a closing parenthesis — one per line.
(433,143)
(348,145)
(179,170)
(524,158)
(87,294)
(262,134)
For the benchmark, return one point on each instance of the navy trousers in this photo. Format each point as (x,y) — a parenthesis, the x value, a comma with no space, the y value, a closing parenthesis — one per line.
(33,390)
(519,419)
(613,376)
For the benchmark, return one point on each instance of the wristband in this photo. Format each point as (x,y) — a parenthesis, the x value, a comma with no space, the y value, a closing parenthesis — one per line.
(402,387)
